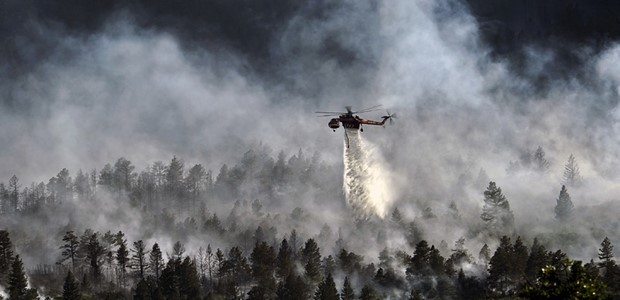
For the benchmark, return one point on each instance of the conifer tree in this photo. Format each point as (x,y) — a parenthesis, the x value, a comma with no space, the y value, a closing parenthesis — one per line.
(94,252)
(6,254)
(606,253)
(420,262)
(189,284)
(122,256)
(368,293)
(71,289)
(284,263)
(496,211)
(263,259)
(540,162)
(156,260)
(537,259)
(327,289)
(311,257)
(17,286)
(500,266)
(70,250)
(519,259)
(564,206)
(571,176)
(347,292)
(139,257)
(142,291)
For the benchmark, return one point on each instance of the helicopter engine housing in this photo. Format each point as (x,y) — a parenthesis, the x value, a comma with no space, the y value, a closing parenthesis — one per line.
(334,123)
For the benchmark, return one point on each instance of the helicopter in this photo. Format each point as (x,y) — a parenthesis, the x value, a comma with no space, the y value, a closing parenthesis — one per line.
(350,119)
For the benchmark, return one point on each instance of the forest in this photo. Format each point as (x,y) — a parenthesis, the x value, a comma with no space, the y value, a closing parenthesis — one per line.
(173,231)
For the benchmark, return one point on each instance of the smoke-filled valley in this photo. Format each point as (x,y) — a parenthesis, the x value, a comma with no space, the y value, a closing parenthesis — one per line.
(153,150)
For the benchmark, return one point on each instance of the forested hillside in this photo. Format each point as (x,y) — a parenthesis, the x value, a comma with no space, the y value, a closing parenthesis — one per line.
(175,231)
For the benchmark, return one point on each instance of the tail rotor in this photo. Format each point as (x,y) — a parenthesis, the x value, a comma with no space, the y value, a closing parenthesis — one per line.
(390,117)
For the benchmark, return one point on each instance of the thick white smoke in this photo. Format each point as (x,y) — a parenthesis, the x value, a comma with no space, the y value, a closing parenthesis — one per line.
(366,183)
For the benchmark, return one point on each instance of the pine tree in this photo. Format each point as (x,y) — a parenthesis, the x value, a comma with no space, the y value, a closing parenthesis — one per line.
(519,259)
(606,253)
(17,280)
(564,206)
(419,264)
(139,257)
(189,283)
(6,254)
(496,210)
(14,187)
(311,257)
(327,289)
(263,259)
(94,252)
(71,289)
(122,256)
(459,253)
(368,293)
(540,163)
(142,291)
(571,176)
(156,260)
(284,262)
(501,266)
(537,259)
(70,248)
(347,292)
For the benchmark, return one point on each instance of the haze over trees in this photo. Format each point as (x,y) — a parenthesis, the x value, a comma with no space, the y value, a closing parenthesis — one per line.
(188,247)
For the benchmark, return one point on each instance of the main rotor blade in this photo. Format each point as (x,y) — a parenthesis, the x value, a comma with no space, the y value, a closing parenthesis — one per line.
(348,109)
(330,112)
(329,115)
(369,109)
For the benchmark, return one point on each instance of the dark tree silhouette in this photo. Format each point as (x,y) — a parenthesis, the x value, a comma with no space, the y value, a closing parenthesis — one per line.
(71,289)
(496,210)
(564,206)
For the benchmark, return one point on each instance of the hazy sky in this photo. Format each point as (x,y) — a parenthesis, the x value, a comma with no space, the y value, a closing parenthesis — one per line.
(83,83)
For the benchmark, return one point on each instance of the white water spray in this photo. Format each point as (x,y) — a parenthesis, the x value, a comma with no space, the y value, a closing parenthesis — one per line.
(366,184)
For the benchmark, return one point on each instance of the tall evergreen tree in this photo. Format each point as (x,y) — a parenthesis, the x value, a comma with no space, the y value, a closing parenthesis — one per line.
(537,259)
(500,267)
(122,257)
(571,176)
(6,254)
(540,163)
(606,253)
(311,257)
(564,206)
(70,250)
(519,259)
(71,289)
(189,284)
(139,258)
(94,253)
(496,211)
(263,259)
(17,280)
(284,263)
(14,187)
(327,289)
(347,292)
(368,293)
(156,260)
